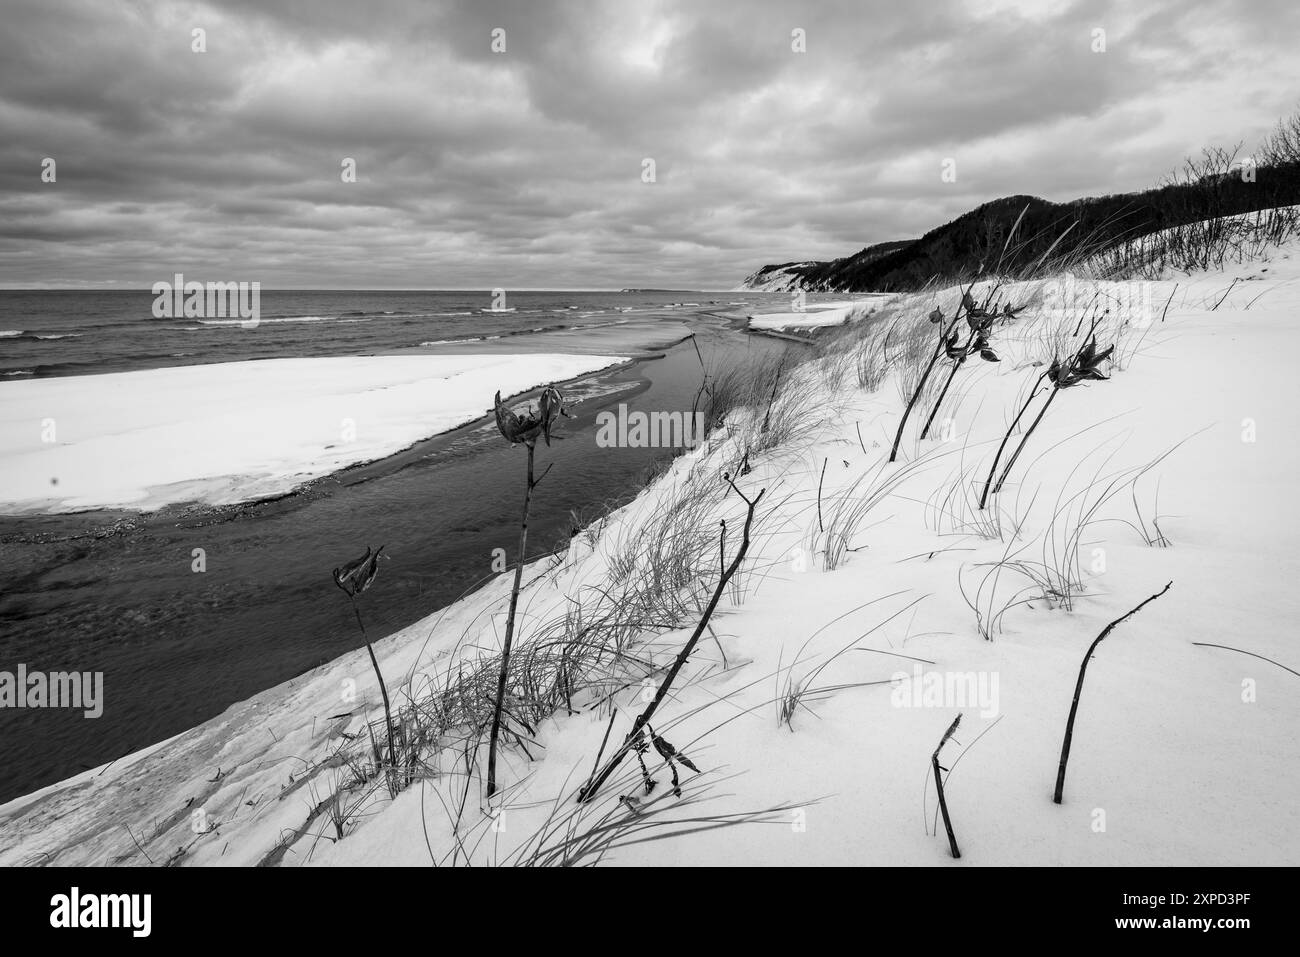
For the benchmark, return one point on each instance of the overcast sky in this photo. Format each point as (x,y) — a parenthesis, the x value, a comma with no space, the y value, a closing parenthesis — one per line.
(478,169)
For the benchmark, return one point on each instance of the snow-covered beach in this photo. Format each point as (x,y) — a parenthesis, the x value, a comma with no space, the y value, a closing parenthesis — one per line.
(223,433)
(819,315)
(855,635)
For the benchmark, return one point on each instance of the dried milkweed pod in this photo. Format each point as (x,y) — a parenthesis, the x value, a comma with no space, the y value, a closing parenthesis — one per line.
(355,576)
(981,345)
(979,320)
(672,756)
(517,428)
(1083,365)
(552,407)
(1088,360)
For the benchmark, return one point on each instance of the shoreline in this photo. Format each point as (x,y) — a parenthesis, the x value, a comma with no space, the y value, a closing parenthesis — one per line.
(239,432)
(115,516)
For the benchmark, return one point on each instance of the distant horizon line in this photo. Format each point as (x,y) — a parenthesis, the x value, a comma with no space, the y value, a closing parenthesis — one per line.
(485,290)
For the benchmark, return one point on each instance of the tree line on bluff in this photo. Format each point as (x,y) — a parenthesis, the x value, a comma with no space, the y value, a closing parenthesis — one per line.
(1220,182)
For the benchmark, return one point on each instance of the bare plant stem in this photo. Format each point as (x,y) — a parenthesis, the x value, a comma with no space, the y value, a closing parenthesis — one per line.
(776,384)
(902,423)
(1206,644)
(588,791)
(1167,302)
(383,689)
(1025,438)
(1078,690)
(704,380)
(820,526)
(1006,438)
(1231,286)
(938,785)
(957,364)
(510,631)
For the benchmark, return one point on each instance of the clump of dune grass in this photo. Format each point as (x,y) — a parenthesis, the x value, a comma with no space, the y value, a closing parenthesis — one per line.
(1055,576)
(953,508)
(569,833)
(988,600)
(578,835)
(870,360)
(847,510)
(749,384)
(799,692)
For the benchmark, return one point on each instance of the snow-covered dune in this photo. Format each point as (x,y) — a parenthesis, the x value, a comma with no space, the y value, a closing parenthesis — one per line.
(860,629)
(236,431)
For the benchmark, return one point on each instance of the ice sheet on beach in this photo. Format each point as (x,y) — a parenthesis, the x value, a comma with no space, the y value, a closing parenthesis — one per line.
(236,431)
(818,315)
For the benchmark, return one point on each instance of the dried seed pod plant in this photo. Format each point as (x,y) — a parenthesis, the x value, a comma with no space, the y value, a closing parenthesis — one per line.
(519,429)
(980,319)
(1082,366)
(355,577)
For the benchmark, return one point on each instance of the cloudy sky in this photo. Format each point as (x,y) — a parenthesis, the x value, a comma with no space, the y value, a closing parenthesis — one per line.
(524,168)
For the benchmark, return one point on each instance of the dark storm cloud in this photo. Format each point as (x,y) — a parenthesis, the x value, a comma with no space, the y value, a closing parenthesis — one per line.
(524,168)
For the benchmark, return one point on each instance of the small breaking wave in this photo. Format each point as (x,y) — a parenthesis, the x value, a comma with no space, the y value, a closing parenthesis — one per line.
(35,337)
(270,320)
(451,342)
